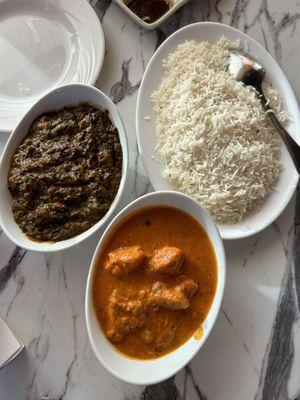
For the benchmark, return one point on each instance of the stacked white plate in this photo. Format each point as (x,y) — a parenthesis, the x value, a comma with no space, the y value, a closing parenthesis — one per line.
(45,44)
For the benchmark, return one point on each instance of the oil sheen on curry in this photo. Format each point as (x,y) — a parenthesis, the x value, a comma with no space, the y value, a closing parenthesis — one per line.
(155,282)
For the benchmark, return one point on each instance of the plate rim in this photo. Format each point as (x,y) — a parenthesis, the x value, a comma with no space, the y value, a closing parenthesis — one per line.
(234,234)
(98,64)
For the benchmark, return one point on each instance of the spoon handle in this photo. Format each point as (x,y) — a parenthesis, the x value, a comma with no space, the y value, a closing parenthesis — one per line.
(292,146)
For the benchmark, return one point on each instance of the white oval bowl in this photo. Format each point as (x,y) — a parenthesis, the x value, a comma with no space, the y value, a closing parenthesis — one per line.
(145,372)
(278,199)
(56,99)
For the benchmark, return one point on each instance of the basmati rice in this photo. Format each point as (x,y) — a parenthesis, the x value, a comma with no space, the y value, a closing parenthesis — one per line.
(214,138)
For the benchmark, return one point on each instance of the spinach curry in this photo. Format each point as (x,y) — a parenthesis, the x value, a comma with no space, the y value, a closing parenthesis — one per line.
(155,282)
(65,174)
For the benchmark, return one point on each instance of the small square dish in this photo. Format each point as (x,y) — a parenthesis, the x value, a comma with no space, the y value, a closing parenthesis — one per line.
(160,10)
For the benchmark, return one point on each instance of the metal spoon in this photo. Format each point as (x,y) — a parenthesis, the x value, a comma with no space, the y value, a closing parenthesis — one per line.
(248,70)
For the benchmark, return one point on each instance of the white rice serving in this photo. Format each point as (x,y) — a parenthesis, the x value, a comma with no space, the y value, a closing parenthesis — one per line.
(215,140)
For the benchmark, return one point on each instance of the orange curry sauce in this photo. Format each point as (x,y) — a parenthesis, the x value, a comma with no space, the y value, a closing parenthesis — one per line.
(153,228)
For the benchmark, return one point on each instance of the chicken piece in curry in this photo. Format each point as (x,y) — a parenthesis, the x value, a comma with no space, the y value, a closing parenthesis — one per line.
(124,260)
(155,282)
(167,260)
(177,298)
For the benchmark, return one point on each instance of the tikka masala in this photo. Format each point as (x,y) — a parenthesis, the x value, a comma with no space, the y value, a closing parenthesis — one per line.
(155,282)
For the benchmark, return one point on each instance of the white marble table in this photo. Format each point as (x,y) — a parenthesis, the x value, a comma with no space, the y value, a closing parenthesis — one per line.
(254,349)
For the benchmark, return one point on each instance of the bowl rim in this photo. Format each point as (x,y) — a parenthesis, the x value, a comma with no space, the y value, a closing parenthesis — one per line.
(75,240)
(218,298)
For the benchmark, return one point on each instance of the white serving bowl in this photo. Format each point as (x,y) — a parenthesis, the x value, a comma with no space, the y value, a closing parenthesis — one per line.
(155,24)
(144,372)
(56,99)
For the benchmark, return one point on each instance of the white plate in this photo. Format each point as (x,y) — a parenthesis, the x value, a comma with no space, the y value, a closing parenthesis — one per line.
(45,44)
(275,203)
(146,372)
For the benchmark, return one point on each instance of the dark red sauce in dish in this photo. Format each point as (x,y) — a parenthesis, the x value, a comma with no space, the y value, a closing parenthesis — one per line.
(148,10)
